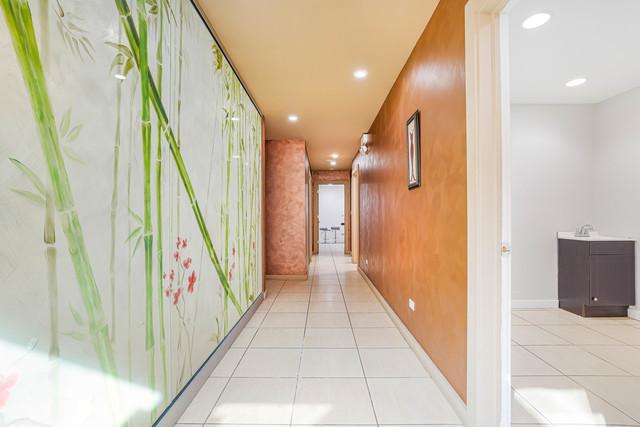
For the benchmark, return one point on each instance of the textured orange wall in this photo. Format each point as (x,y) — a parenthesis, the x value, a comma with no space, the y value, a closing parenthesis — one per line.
(286,214)
(330,175)
(415,241)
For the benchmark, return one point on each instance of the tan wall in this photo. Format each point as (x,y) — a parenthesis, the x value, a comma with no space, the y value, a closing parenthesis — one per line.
(415,241)
(286,212)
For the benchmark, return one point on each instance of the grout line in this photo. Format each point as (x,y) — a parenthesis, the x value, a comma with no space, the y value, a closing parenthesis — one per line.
(366,381)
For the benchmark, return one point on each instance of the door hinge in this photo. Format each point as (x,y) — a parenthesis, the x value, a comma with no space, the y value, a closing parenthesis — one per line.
(505,248)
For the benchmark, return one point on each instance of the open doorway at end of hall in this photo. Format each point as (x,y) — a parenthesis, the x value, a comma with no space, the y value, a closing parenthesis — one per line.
(331,213)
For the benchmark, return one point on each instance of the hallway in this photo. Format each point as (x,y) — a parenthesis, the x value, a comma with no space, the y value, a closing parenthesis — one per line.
(321,351)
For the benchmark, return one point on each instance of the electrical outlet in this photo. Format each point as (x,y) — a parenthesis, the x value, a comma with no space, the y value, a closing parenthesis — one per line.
(366,261)
(412,305)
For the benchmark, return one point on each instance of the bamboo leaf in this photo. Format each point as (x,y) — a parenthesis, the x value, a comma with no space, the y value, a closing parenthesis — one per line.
(78,336)
(133,234)
(37,182)
(65,122)
(74,133)
(77,316)
(72,155)
(127,67)
(136,217)
(137,245)
(29,195)
(121,48)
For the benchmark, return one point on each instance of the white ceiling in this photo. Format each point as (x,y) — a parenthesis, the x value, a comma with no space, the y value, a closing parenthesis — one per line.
(298,57)
(596,39)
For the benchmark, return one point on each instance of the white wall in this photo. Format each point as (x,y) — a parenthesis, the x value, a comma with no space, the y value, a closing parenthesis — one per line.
(331,210)
(552,152)
(617,168)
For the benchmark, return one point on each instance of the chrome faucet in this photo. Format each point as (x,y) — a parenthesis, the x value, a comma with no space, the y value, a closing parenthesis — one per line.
(584,230)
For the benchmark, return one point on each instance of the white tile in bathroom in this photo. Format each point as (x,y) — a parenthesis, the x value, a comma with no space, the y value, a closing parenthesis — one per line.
(534,335)
(573,360)
(391,362)
(523,362)
(410,401)
(255,401)
(332,401)
(379,338)
(330,362)
(269,363)
(278,338)
(200,407)
(578,334)
(563,401)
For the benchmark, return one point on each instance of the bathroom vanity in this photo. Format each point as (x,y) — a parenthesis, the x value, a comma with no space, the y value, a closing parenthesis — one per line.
(596,274)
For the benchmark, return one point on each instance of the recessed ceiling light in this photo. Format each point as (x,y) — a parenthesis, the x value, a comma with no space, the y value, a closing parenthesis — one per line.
(360,74)
(576,82)
(119,76)
(332,163)
(334,156)
(293,118)
(536,20)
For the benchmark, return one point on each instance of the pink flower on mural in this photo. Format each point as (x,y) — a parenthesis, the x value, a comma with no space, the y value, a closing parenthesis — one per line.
(176,256)
(178,243)
(6,384)
(172,275)
(176,296)
(233,251)
(167,291)
(191,281)
(184,243)
(186,263)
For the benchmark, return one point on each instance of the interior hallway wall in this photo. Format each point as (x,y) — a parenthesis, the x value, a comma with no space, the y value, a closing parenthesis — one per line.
(286,201)
(617,171)
(413,243)
(551,191)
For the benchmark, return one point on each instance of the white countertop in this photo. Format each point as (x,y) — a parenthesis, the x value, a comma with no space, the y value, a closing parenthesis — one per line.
(594,236)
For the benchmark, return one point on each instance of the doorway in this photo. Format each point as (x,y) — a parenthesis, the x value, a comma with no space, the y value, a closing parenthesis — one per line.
(331,215)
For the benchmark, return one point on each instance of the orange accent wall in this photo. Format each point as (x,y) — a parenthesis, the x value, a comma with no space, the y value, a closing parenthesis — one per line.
(415,240)
(286,213)
(331,175)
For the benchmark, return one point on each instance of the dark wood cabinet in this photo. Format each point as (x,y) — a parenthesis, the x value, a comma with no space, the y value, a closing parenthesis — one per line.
(596,278)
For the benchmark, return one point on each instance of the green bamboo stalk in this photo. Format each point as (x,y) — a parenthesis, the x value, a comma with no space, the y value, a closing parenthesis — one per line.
(114,202)
(162,343)
(229,127)
(129,227)
(169,136)
(146,154)
(179,106)
(20,24)
(52,274)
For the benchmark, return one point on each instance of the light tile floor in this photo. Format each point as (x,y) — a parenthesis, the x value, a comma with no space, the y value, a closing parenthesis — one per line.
(570,370)
(320,352)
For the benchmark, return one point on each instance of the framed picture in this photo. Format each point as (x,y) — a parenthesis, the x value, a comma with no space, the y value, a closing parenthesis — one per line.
(413,150)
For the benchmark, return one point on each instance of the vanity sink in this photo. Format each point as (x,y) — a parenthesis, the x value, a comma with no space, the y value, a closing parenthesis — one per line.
(593,237)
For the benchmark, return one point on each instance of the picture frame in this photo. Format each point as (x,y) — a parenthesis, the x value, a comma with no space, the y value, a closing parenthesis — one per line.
(414,171)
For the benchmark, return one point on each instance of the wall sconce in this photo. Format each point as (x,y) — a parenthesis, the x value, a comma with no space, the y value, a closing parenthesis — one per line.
(365,141)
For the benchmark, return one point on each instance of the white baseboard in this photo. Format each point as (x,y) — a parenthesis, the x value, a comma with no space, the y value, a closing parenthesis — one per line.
(176,408)
(634,312)
(535,303)
(437,376)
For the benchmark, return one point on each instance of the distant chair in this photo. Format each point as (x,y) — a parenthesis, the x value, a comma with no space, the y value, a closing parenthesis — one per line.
(335,233)
(324,234)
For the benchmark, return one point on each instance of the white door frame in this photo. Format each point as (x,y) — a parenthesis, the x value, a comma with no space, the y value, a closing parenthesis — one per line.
(489,300)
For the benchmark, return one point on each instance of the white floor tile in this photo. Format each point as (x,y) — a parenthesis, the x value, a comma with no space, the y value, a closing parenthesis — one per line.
(325,297)
(256,319)
(371,320)
(278,338)
(410,401)
(255,401)
(327,307)
(523,413)
(572,360)
(364,307)
(200,407)
(391,363)
(626,358)
(332,401)
(329,338)
(327,363)
(621,392)
(269,363)
(244,338)
(292,297)
(289,307)
(523,362)
(578,334)
(533,335)
(379,338)
(563,401)
(548,317)
(623,333)
(228,363)
(328,320)
(284,320)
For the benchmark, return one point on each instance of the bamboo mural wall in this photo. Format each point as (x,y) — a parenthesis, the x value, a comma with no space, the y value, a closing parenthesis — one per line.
(130,207)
